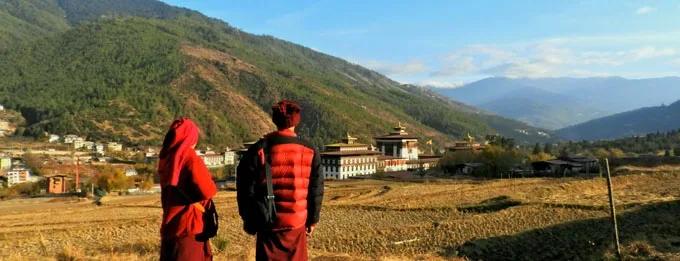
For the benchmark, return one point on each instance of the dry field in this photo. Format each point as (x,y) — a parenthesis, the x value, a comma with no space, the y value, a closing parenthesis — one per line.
(520,219)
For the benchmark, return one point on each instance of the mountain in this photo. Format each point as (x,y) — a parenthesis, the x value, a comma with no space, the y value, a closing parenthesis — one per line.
(124,69)
(555,103)
(542,108)
(532,105)
(634,123)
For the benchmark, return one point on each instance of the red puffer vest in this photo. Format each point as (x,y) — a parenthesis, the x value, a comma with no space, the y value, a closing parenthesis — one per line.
(296,177)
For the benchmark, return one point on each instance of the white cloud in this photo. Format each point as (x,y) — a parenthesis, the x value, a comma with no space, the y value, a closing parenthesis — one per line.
(652,52)
(586,73)
(439,84)
(495,55)
(458,67)
(644,10)
(392,68)
(675,62)
(519,69)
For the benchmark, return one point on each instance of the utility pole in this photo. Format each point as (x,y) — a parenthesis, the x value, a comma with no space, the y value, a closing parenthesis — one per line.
(613,211)
(78,174)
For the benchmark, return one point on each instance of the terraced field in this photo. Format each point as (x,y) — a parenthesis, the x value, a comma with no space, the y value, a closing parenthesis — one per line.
(520,219)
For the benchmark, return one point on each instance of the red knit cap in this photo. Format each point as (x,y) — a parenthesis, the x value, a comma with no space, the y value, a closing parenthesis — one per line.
(286,114)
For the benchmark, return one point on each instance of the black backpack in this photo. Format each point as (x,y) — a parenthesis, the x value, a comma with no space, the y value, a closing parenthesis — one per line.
(263,214)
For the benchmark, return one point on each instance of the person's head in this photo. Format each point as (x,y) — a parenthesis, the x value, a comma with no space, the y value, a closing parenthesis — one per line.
(182,133)
(286,115)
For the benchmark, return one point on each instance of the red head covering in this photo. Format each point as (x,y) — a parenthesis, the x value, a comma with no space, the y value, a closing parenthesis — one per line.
(286,114)
(182,135)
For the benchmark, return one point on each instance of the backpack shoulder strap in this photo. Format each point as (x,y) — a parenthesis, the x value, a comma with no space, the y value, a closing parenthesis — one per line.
(268,169)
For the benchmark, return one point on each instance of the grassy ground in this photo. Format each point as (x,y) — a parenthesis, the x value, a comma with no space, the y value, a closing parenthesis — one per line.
(521,219)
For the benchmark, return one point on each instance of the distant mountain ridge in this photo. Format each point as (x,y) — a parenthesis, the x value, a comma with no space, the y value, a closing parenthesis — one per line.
(564,102)
(633,123)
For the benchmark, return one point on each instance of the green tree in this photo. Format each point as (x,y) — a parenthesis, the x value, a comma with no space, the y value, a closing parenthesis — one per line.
(564,152)
(548,148)
(601,153)
(537,149)
(616,153)
(667,153)
(111,179)
(146,184)
(676,152)
(140,157)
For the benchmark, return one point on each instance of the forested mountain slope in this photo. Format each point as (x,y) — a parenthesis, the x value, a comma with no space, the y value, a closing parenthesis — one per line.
(123,70)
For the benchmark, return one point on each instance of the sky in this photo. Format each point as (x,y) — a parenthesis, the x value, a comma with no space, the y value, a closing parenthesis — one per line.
(450,43)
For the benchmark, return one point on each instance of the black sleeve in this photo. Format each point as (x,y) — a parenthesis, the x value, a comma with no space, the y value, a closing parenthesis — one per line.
(246,174)
(315,193)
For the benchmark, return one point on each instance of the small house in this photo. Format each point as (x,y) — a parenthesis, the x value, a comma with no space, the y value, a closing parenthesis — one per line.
(114,146)
(555,167)
(54,138)
(18,175)
(130,172)
(56,184)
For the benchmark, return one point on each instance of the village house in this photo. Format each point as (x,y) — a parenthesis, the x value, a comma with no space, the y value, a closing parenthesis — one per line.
(229,157)
(464,168)
(212,159)
(18,175)
(5,161)
(130,172)
(4,128)
(69,139)
(424,162)
(88,145)
(348,159)
(56,184)
(114,146)
(2,108)
(555,167)
(99,148)
(467,146)
(589,163)
(53,138)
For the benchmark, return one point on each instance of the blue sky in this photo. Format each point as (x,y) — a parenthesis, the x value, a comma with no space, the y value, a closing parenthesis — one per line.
(448,43)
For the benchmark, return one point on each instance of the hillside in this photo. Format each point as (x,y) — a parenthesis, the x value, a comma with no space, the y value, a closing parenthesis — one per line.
(634,123)
(123,70)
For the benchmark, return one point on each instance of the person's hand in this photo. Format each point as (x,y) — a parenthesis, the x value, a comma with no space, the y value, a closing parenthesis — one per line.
(310,230)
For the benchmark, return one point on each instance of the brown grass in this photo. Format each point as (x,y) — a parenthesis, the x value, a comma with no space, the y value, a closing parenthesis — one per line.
(382,220)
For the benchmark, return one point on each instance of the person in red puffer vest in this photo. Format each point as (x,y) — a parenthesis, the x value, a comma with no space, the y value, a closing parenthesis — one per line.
(186,190)
(297,180)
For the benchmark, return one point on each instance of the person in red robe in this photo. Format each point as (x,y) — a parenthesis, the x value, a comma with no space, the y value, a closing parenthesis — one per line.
(186,190)
(297,180)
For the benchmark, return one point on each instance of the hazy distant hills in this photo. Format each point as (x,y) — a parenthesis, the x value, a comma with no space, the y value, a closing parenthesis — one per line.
(633,123)
(555,103)
(123,69)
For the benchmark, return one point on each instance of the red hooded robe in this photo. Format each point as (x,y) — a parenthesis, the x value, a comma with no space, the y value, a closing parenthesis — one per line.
(185,180)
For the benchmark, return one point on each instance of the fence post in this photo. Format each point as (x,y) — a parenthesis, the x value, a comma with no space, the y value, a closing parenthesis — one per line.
(612,208)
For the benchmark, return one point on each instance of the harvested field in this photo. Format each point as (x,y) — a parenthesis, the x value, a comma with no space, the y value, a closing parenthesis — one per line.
(520,219)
